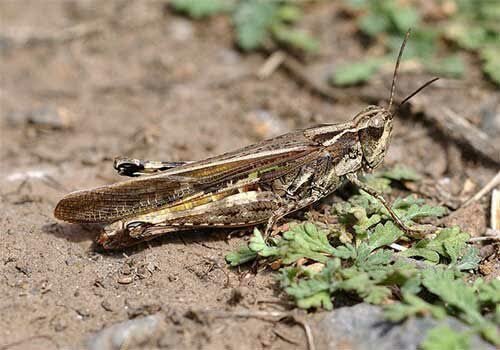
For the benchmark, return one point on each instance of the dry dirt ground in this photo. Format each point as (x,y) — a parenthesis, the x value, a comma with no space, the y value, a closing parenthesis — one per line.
(84,81)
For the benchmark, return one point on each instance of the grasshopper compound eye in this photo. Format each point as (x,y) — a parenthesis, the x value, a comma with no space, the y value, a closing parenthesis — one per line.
(377,122)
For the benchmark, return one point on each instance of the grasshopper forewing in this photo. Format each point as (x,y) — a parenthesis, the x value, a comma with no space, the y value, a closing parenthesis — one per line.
(259,183)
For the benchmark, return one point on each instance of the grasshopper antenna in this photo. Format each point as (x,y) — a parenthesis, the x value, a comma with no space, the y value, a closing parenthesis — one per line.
(418,90)
(395,75)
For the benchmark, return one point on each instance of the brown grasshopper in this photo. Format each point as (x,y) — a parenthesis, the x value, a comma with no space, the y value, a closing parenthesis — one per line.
(260,183)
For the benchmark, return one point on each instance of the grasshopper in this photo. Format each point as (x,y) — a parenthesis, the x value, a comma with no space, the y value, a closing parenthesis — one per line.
(260,183)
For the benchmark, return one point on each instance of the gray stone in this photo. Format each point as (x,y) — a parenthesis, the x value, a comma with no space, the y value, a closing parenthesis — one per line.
(132,333)
(363,327)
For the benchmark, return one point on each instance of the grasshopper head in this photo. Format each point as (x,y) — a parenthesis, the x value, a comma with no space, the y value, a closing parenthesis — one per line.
(374,125)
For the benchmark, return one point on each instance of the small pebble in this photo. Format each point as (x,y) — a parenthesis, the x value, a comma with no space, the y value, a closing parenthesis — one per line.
(126,280)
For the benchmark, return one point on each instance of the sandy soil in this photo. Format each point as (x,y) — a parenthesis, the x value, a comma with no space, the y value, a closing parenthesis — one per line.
(130,78)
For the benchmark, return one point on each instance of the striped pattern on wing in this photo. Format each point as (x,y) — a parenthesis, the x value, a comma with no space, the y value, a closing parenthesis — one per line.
(142,195)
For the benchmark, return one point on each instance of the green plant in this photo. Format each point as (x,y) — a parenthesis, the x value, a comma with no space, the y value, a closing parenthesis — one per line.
(256,22)
(364,265)
(473,26)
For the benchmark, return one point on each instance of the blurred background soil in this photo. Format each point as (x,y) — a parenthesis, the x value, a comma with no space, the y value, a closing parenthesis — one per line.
(85,81)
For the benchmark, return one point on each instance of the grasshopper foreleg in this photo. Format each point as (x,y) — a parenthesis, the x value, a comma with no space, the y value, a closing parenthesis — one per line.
(352,177)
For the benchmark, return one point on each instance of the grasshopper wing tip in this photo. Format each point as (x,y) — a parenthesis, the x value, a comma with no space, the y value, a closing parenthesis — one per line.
(75,208)
(63,211)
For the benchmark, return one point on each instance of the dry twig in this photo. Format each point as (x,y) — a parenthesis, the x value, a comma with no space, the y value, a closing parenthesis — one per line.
(31,36)
(485,238)
(483,191)
(296,69)
(463,132)
(495,210)
(271,64)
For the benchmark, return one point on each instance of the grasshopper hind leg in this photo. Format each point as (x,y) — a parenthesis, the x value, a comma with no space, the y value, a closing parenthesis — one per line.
(236,210)
(118,236)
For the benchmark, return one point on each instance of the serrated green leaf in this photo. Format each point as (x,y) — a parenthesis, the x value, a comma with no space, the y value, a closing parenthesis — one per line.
(451,66)
(496,317)
(363,250)
(415,212)
(470,259)
(201,8)
(449,243)
(289,13)
(422,44)
(401,173)
(361,283)
(305,241)
(361,212)
(288,275)
(377,295)
(413,285)
(425,253)
(373,24)
(491,62)
(445,338)
(314,289)
(454,245)
(488,292)
(345,252)
(319,300)
(371,204)
(241,256)
(306,288)
(412,305)
(259,246)
(363,221)
(453,240)
(252,20)
(377,182)
(384,234)
(355,73)
(375,260)
(399,272)
(404,17)
(453,292)
(295,38)
(468,37)
(407,202)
